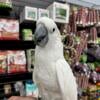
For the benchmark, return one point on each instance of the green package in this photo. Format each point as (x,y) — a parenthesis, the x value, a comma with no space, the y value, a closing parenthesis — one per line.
(27,34)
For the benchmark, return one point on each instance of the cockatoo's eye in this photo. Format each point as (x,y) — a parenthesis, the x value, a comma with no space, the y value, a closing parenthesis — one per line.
(53,29)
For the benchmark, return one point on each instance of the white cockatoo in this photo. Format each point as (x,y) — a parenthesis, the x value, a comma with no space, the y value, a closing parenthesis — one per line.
(52,74)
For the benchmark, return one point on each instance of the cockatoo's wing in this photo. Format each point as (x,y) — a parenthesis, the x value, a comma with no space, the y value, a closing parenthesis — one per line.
(66,80)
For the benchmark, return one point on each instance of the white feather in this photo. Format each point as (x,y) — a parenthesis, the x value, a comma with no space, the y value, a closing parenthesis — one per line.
(52,74)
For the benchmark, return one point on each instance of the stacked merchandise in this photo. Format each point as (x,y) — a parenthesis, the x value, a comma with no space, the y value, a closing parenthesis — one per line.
(82,51)
(15,61)
(12,61)
(87,17)
(20,88)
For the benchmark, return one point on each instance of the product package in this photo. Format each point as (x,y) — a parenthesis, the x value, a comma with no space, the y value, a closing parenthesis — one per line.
(43,13)
(9,29)
(27,34)
(5,4)
(7,89)
(30,59)
(16,61)
(59,12)
(19,87)
(3,63)
(31,89)
(28,14)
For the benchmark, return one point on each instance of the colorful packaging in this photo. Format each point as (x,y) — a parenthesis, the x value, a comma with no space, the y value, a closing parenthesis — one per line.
(9,29)
(31,89)
(3,63)
(27,34)
(30,59)
(98,90)
(92,92)
(16,61)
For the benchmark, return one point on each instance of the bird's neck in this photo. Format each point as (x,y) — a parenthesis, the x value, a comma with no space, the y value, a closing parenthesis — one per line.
(53,49)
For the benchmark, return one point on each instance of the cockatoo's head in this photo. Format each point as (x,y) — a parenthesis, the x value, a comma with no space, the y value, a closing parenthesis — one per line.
(46,32)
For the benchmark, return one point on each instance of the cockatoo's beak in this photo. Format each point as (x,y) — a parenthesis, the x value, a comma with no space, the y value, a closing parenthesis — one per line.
(41,35)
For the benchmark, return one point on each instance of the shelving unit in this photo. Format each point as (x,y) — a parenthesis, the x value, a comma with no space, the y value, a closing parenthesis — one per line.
(7,96)
(18,5)
(13,77)
(16,45)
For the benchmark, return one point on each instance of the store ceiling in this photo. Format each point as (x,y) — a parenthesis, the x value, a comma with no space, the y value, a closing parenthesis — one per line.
(97,2)
(18,5)
(35,3)
(86,3)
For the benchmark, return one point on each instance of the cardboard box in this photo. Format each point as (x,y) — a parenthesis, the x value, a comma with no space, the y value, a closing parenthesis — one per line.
(9,29)
(43,13)
(28,14)
(59,12)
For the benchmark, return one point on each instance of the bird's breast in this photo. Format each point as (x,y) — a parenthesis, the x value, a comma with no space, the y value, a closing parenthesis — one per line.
(45,75)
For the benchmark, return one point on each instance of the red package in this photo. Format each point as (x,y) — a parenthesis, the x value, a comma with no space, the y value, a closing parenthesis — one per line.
(9,29)
(16,61)
(3,62)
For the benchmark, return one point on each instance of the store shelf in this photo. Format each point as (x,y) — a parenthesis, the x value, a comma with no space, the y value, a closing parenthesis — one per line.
(80,28)
(16,45)
(13,77)
(2,95)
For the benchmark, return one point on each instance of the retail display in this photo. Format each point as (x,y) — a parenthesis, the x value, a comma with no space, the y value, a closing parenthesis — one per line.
(19,87)
(27,34)
(87,17)
(9,29)
(80,36)
(16,61)
(28,14)
(3,64)
(7,89)
(59,12)
(85,63)
(43,13)
(12,61)
(93,35)
(31,89)
(72,27)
